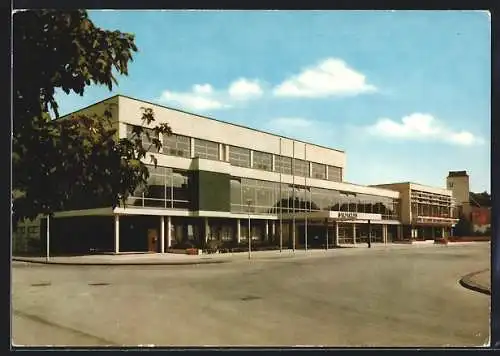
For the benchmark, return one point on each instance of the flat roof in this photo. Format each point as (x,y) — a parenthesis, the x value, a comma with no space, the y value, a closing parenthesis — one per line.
(203,117)
(457,174)
(408,183)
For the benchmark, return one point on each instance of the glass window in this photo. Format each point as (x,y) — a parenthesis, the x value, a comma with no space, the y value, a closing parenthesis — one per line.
(181,192)
(177,145)
(166,188)
(206,149)
(147,143)
(236,200)
(301,168)
(262,195)
(156,187)
(239,156)
(262,160)
(334,174)
(283,164)
(318,170)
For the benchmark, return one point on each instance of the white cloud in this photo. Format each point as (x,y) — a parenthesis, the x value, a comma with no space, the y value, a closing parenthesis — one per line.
(203,97)
(200,98)
(243,89)
(418,126)
(329,78)
(203,88)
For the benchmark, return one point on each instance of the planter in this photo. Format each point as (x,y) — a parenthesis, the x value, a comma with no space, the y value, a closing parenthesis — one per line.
(192,251)
(470,239)
(441,241)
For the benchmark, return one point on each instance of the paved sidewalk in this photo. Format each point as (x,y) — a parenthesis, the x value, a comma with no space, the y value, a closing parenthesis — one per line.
(124,259)
(171,258)
(182,259)
(479,281)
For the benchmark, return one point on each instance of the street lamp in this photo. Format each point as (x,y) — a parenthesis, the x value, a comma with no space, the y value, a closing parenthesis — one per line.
(249,202)
(369,234)
(48,239)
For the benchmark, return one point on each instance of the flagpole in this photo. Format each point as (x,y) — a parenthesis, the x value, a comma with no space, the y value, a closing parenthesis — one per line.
(281,201)
(293,196)
(47,257)
(305,194)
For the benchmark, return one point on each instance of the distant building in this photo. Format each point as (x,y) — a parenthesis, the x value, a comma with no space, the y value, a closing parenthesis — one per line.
(426,212)
(469,205)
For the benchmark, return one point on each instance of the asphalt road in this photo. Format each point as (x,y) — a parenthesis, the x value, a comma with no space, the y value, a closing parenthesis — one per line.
(353,297)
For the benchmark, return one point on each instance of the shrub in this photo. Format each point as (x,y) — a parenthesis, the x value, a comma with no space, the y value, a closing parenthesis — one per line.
(184,245)
(212,246)
(191,251)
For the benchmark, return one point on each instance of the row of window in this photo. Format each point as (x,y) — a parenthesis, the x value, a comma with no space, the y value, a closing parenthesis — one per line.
(171,188)
(426,197)
(431,211)
(167,188)
(179,145)
(250,195)
(22,230)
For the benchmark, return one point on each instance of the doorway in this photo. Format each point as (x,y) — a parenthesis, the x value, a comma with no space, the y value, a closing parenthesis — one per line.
(152,240)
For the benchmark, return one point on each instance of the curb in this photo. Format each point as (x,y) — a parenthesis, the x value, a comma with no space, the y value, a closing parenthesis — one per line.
(180,263)
(468,282)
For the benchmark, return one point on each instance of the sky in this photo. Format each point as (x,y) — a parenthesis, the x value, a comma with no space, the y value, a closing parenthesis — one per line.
(406,94)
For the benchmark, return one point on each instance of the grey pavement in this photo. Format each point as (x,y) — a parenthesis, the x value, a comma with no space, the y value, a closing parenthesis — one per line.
(384,296)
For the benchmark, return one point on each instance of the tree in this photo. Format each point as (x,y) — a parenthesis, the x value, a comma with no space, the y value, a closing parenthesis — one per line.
(480,199)
(463,227)
(58,164)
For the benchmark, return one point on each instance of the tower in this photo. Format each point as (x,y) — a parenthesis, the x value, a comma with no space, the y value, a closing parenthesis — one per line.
(458,183)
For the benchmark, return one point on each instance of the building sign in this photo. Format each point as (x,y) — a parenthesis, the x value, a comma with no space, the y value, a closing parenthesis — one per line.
(344,215)
(354,216)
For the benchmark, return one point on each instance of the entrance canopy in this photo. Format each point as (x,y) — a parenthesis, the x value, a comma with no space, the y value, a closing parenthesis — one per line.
(344,216)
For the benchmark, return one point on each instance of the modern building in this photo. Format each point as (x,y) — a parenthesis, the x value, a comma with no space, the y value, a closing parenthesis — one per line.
(221,181)
(426,212)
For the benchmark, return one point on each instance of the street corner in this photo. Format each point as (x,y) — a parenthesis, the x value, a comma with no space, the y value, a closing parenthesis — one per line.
(478,281)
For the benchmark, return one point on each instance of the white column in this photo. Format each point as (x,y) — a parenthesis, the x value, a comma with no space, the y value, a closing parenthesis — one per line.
(238,230)
(266,234)
(169,231)
(192,147)
(384,233)
(117,233)
(273,163)
(207,229)
(162,234)
(251,158)
(220,151)
(326,239)
(443,232)
(354,234)
(326,171)
(160,137)
(336,233)
(273,228)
